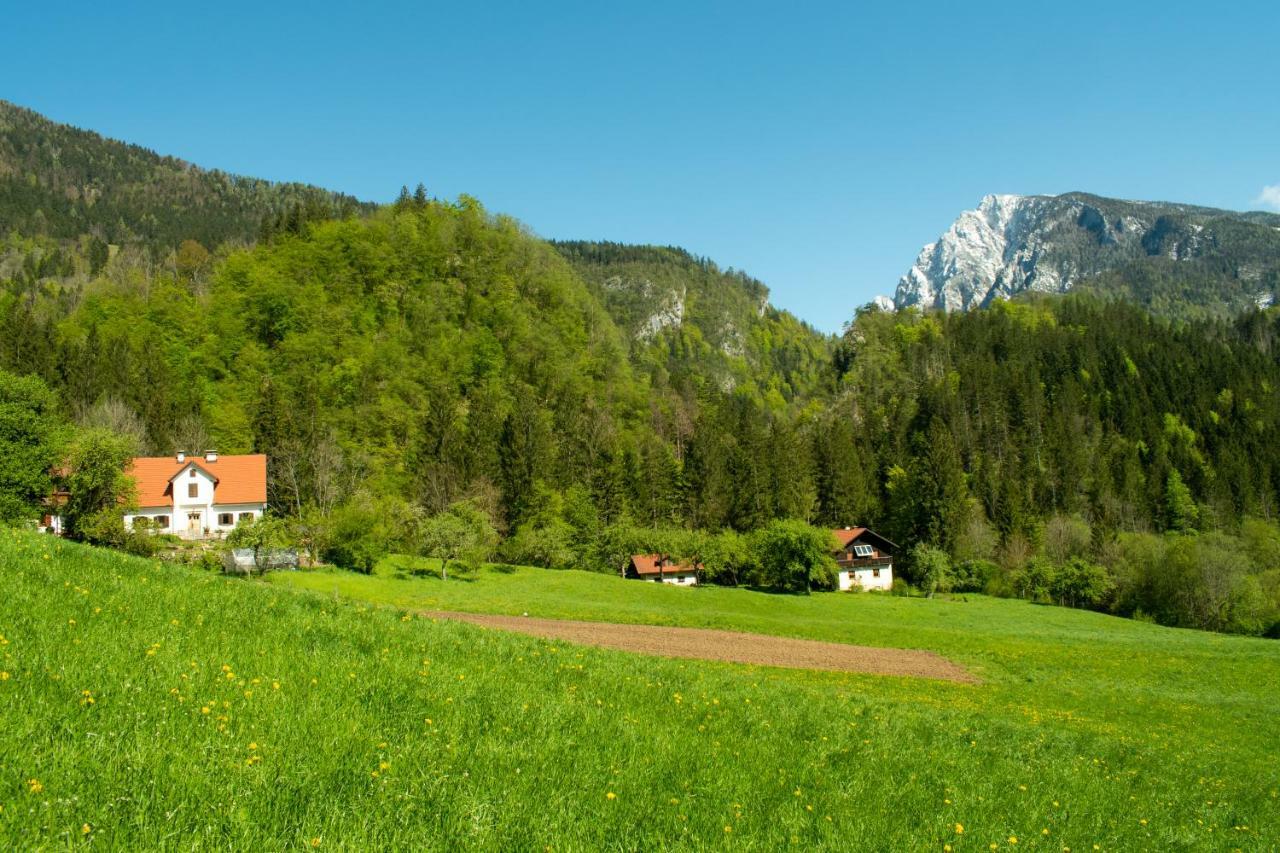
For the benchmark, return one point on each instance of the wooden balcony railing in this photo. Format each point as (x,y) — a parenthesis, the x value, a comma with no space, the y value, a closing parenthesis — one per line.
(865,563)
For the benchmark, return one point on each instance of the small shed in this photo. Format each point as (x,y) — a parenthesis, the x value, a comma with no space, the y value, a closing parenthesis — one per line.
(661,568)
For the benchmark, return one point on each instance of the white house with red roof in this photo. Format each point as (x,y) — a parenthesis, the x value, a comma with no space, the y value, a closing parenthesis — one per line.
(198,497)
(660,568)
(864,559)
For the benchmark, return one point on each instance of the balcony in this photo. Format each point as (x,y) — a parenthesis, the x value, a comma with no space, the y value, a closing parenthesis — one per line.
(865,563)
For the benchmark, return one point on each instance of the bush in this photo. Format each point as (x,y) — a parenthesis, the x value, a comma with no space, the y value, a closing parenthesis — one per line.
(974,575)
(930,569)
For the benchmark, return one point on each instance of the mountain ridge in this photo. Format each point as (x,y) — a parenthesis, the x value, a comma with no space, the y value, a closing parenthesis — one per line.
(1012,244)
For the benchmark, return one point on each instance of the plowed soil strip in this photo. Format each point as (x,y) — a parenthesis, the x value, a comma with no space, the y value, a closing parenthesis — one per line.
(712,644)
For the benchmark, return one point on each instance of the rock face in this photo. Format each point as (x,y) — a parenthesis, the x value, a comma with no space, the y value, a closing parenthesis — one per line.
(1012,244)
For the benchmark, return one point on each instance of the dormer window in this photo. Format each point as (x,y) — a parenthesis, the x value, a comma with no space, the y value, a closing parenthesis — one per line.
(863,550)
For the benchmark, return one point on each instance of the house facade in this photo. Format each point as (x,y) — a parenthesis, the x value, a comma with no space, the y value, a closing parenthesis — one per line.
(864,559)
(198,497)
(661,568)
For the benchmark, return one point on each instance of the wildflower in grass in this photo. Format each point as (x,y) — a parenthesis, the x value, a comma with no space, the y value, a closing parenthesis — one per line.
(275,685)
(204,710)
(4,676)
(85,829)
(34,786)
(315,842)
(611,796)
(1013,839)
(1143,821)
(959,829)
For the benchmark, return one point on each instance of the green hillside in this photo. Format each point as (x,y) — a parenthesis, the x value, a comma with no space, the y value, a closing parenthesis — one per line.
(694,326)
(66,183)
(149,706)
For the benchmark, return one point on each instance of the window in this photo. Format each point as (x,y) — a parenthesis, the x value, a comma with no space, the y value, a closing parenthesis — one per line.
(863,550)
(875,573)
(226,519)
(162,521)
(246,516)
(193,490)
(193,473)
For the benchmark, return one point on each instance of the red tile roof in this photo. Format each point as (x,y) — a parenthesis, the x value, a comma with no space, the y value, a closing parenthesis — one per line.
(848,534)
(647,564)
(237,479)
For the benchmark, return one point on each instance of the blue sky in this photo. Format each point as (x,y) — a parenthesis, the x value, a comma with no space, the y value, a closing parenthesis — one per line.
(815,145)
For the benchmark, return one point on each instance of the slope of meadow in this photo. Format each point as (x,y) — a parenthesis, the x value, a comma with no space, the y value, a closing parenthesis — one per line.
(147,706)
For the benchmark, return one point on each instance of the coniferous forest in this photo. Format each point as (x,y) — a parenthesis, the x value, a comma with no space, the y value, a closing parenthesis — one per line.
(592,398)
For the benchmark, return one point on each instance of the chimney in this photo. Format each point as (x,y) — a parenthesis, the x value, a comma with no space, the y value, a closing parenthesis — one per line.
(211,456)
(182,456)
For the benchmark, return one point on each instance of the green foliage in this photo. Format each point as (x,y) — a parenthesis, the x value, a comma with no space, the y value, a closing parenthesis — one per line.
(32,436)
(98,490)
(1181,513)
(65,182)
(794,556)
(462,534)
(363,531)
(930,569)
(262,534)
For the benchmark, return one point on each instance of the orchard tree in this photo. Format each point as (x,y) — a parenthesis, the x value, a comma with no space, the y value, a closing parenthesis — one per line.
(795,556)
(463,533)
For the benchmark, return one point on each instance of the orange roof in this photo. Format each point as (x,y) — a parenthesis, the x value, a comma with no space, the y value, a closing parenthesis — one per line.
(848,534)
(647,564)
(237,479)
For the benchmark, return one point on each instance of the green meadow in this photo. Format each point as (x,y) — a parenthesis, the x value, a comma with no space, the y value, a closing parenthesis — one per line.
(152,706)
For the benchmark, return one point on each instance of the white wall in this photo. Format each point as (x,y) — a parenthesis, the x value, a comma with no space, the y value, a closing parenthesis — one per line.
(864,578)
(678,580)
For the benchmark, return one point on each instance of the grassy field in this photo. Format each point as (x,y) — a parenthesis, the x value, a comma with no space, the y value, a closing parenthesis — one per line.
(154,706)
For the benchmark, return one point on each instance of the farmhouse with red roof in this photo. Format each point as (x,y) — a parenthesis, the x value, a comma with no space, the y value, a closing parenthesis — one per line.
(864,559)
(198,497)
(660,568)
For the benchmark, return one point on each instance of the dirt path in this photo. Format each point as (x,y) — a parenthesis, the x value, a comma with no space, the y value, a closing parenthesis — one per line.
(712,644)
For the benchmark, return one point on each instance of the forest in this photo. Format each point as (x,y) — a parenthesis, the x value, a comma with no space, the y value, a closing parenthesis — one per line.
(432,361)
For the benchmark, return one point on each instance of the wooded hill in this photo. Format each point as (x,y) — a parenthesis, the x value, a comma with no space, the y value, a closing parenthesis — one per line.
(430,352)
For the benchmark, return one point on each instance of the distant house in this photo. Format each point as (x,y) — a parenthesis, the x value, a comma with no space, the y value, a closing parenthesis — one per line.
(198,497)
(660,568)
(865,559)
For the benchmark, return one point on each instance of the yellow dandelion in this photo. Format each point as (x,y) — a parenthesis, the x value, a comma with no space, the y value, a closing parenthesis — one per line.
(611,796)
(85,829)
(959,829)
(315,842)
(728,828)
(1013,839)
(253,745)
(4,676)
(382,765)
(34,786)
(204,710)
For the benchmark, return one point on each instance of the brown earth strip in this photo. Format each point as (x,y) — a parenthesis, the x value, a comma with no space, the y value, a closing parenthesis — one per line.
(733,646)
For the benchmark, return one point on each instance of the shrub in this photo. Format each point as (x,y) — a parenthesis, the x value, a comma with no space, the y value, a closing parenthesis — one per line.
(974,575)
